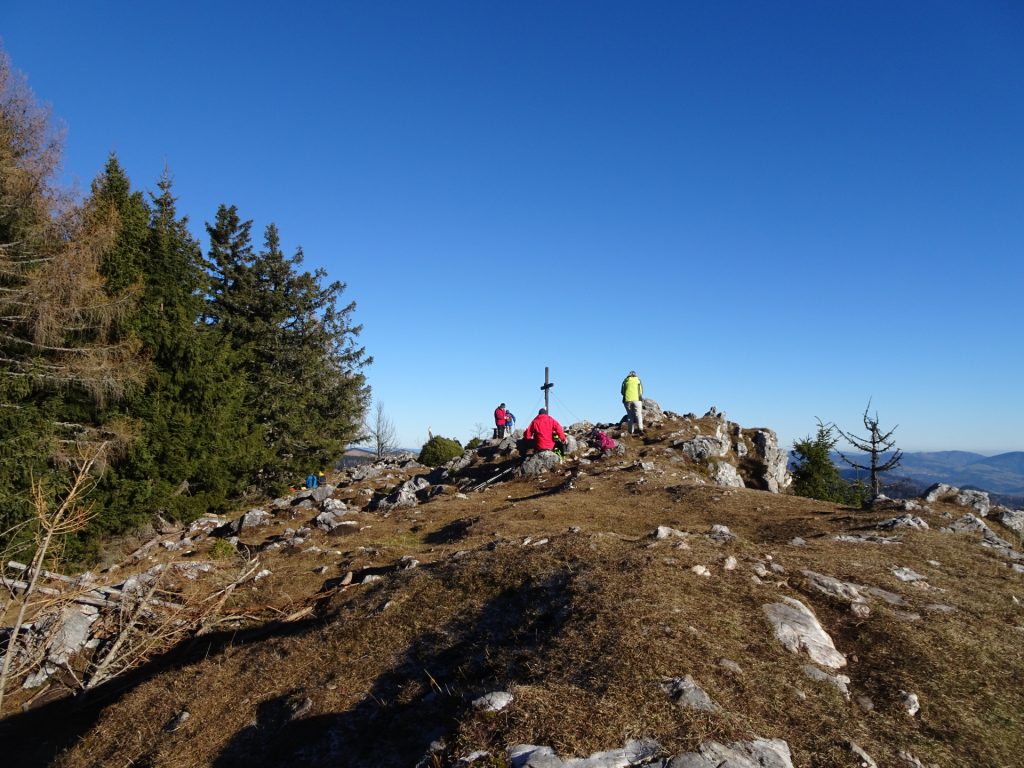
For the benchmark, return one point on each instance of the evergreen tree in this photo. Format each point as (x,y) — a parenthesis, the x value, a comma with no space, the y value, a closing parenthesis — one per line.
(296,345)
(55,314)
(814,475)
(191,419)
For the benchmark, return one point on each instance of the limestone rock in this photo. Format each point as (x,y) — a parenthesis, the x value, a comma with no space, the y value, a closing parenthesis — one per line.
(908,575)
(911,704)
(775,460)
(843,591)
(725,474)
(720,533)
(903,521)
(976,500)
(797,628)
(703,448)
(939,492)
(863,758)
(685,692)
(757,753)
(1012,519)
(637,752)
(539,463)
(493,702)
(839,682)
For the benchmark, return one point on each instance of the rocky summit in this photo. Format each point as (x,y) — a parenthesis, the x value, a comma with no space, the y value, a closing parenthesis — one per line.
(666,603)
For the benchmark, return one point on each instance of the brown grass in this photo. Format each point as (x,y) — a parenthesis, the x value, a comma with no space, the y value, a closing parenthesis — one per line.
(581,629)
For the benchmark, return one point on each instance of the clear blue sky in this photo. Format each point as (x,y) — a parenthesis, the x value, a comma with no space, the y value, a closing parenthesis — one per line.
(779,208)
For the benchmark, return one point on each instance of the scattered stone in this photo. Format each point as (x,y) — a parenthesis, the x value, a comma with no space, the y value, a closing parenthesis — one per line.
(731,666)
(911,704)
(865,538)
(262,574)
(178,721)
(797,628)
(863,758)
(664,532)
(758,753)
(903,521)
(796,541)
(685,692)
(333,505)
(370,578)
(493,702)
(839,682)
(701,570)
(912,762)
(730,563)
(633,753)
(907,575)
(865,703)
(842,591)
(720,533)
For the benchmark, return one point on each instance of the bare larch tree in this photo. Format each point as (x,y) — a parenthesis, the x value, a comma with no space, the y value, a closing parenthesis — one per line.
(876,445)
(381,431)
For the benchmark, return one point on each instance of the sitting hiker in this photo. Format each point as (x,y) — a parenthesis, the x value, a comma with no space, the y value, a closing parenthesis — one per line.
(602,441)
(542,431)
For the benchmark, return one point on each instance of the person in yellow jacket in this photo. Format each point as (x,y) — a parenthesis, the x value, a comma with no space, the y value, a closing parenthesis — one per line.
(633,400)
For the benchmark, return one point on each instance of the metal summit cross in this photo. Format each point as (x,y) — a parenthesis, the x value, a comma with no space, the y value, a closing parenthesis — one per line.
(546,386)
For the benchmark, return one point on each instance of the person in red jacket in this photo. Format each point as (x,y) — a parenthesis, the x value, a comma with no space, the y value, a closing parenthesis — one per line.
(499,421)
(542,431)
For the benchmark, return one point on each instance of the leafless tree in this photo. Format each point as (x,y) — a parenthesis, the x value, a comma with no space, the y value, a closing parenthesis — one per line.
(876,445)
(381,431)
(55,313)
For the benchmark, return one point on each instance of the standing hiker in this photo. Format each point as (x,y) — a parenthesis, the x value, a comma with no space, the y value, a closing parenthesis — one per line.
(499,421)
(633,399)
(542,431)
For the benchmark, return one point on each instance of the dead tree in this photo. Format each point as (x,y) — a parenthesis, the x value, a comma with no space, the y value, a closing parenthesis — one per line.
(381,432)
(876,445)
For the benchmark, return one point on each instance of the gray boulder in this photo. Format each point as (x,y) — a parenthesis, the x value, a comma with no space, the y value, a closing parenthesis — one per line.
(725,474)
(539,463)
(757,753)
(940,492)
(797,628)
(903,521)
(976,500)
(685,692)
(1012,519)
(703,448)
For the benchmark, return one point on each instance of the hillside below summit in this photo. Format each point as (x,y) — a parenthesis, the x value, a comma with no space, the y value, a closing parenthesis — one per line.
(665,604)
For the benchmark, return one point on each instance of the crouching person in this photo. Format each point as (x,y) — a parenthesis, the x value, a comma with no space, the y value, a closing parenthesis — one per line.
(542,432)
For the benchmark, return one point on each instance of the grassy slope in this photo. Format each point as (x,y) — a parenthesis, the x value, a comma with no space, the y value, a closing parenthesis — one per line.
(581,629)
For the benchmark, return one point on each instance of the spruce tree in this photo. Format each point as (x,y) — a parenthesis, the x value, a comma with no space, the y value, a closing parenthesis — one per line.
(814,474)
(296,344)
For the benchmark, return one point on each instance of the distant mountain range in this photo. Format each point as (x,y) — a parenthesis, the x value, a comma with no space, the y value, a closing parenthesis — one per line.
(1002,474)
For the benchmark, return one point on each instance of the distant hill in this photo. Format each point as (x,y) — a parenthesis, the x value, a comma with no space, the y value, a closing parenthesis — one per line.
(1001,474)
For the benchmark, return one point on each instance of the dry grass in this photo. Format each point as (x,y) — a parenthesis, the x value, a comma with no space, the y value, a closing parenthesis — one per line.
(582,629)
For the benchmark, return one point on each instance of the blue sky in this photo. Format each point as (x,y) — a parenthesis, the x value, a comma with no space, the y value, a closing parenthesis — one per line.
(777,208)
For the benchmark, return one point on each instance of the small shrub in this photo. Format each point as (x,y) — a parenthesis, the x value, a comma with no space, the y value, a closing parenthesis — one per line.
(222,550)
(437,450)
(474,443)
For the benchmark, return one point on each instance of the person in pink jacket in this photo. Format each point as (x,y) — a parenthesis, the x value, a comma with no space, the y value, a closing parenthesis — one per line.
(542,431)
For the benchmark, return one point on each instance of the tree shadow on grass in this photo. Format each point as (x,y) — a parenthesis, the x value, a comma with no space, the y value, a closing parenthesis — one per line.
(34,738)
(416,703)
